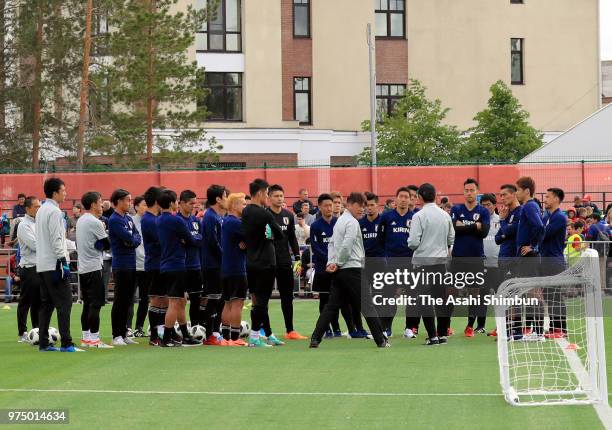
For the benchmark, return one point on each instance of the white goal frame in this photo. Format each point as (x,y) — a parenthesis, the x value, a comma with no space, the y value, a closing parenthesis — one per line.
(592,385)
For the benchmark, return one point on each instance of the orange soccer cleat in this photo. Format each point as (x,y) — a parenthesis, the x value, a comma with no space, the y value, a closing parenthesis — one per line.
(469,332)
(214,341)
(294,335)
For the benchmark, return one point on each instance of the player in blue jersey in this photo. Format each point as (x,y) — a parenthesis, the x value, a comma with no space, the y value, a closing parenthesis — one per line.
(509,215)
(233,270)
(157,289)
(211,251)
(471,222)
(529,235)
(394,230)
(553,262)
(174,238)
(193,273)
(321,232)
(124,239)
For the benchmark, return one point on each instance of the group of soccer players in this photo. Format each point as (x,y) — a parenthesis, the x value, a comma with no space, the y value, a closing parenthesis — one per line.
(238,248)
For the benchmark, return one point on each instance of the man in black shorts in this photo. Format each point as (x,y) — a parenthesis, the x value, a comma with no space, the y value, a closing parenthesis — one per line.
(260,229)
(91,241)
(174,237)
(193,273)
(152,247)
(287,252)
(212,305)
(233,270)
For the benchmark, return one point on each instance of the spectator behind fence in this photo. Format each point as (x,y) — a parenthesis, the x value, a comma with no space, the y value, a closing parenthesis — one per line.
(72,221)
(305,212)
(19,210)
(302,230)
(5,228)
(297,205)
(389,205)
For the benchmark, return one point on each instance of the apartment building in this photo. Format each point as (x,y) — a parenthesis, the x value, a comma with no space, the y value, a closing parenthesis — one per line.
(291,77)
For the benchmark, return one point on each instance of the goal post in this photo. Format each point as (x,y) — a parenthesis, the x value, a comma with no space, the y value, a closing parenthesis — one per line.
(568,368)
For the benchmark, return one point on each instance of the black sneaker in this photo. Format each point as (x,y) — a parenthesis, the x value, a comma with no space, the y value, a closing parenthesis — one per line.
(190,341)
(168,344)
(314,343)
(432,341)
(442,340)
(480,330)
(385,344)
(139,333)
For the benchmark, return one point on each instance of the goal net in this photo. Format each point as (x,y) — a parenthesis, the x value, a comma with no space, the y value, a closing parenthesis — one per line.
(553,353)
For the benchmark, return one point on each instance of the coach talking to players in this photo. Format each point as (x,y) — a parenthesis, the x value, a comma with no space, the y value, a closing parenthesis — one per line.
(345,260)
(431,236)
(52,267)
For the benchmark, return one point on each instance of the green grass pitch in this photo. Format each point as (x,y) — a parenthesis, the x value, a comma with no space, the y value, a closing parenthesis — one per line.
(453,386)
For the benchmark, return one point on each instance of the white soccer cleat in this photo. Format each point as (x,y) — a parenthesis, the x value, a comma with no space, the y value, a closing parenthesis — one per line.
(119,341)
(99,344)
(533,337)
(129,341)
(409,334)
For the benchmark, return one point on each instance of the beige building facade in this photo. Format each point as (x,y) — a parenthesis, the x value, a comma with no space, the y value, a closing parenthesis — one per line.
(292,77)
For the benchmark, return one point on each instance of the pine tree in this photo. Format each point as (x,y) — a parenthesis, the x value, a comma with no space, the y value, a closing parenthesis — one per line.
(153,84)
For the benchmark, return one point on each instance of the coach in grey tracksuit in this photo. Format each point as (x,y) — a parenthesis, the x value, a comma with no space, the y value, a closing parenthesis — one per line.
(431,236)
(51,264)
(345,261)
(29,297)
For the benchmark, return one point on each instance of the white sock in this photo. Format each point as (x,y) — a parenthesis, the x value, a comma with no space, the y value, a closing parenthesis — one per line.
(86,335)
(94,336)
(255,334)
(216,334)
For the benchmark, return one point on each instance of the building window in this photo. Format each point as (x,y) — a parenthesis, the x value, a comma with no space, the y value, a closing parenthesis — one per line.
(222,31)
(516,66)
(387,96)
(224,99)
(390,18)
(301,101)
(99,31)
(301,18)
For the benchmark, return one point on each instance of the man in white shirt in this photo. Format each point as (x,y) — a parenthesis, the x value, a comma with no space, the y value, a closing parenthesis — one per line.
(345,260)
(29,297)
(91,240)
(52,267)
(431,236)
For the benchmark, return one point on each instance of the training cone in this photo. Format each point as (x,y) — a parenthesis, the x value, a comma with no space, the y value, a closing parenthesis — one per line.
(6,307)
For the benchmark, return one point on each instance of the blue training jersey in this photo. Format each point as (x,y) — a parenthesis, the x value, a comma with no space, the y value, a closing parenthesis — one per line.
(233,261)
(320,234)
(555,228)
(469,243)
(393,233)
(530,230)
(152,249)
(506,235)
(174,238)
(124,239)
(369,232)
(192,259)
(211,239)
